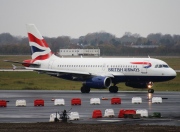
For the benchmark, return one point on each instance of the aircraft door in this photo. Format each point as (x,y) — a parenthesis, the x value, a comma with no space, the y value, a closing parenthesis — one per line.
(144,68)
(50,64)
(103,67)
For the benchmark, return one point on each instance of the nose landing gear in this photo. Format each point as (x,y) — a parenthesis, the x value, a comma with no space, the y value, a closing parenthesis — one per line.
(149,86)
(150,90)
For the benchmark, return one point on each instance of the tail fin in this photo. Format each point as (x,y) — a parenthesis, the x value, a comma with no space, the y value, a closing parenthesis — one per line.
(39,48)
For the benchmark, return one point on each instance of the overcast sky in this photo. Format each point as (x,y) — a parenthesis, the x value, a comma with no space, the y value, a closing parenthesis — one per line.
(75,18)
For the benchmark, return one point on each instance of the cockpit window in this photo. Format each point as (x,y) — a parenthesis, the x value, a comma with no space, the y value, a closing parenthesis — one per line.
(160,66)
(165,66)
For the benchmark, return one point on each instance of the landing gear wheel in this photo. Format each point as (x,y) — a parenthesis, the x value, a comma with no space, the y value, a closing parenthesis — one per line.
(150,90)
(85,89)
(113,89)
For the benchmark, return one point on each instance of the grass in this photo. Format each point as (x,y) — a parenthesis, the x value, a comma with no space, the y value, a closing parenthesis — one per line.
(34,81)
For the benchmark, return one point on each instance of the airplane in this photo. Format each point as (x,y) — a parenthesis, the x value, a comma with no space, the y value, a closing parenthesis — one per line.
(98,73)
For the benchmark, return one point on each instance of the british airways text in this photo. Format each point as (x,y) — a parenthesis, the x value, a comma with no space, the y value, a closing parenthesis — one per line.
(123,70)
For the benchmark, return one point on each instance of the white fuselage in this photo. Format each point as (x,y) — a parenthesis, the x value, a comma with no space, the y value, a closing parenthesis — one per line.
(110,66)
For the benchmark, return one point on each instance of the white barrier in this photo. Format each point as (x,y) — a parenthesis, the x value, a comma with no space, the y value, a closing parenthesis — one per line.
(95,101)
(109,113)
(156,100)
(136,100)
(21,102)
(53,116)
(142,112)
(74,116)
(59,102)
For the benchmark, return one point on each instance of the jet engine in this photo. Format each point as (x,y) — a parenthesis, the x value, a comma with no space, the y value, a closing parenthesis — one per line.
(139,84)
(98,82)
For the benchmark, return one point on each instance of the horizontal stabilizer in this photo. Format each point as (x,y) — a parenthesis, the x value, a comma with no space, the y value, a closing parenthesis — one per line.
(23,63)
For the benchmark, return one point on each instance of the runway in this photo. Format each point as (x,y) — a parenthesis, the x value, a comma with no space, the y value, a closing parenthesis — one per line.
(170,108)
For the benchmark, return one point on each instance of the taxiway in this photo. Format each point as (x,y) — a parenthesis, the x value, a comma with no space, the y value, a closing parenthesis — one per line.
(170,108)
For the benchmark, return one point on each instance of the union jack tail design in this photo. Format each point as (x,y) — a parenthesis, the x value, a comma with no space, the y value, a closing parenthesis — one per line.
(39,48)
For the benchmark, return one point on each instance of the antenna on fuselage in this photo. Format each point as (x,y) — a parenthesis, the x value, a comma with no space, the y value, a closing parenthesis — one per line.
(149,56)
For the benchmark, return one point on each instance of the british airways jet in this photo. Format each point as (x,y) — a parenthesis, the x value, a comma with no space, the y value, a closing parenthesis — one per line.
(96,73)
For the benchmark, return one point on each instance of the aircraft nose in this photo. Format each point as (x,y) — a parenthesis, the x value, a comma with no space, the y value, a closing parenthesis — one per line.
(173,73)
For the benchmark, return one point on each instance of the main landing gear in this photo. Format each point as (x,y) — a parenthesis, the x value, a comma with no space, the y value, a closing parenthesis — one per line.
(113,89)
(85,89)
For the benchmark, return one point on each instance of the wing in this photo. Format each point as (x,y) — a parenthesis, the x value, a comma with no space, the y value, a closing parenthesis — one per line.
(71,72)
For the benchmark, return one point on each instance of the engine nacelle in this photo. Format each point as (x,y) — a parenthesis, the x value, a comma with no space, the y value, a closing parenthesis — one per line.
(139,84)
(98,82)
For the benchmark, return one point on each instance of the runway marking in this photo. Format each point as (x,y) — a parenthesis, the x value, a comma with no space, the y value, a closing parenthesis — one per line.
(110,120)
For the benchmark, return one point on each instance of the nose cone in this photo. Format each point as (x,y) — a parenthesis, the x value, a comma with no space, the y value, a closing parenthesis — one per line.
(172,74)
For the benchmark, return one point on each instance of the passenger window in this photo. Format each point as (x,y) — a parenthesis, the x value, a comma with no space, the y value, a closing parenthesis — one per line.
(156,66)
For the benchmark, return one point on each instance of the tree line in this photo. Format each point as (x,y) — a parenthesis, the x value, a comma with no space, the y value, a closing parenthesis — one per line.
(109,44)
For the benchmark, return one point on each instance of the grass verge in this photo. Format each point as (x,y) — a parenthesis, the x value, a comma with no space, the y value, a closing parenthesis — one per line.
(34,81)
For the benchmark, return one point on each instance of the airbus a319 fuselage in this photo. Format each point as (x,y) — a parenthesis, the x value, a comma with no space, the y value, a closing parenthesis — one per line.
(96,72)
